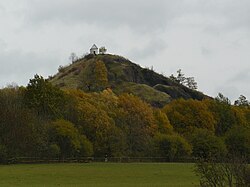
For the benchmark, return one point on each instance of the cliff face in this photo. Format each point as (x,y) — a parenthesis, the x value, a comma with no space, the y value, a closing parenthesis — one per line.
(123,76)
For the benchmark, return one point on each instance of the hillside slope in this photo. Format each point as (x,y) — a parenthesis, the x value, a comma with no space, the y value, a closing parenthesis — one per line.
(125,77)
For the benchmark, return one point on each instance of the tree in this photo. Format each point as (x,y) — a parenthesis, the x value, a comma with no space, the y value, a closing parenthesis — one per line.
(223,172)
(101,75)
(73,57)
(64,134)
(172,147)
(102,50)
(94,121)
(190,83)
(224,115)
(46,99)
(18,124)
(162,122)
(3,154)
(180,77)
(242,101)
(238,141)
(206,145)
(188,115)
(86,147)
(222,99)
(173,78)
(136,119)
(95,76)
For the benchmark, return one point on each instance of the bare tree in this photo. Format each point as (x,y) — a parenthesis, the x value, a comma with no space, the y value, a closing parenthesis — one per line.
(73,57)
(230,171)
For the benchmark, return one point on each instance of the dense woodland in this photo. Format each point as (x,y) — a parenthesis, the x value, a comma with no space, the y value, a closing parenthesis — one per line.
(41,120)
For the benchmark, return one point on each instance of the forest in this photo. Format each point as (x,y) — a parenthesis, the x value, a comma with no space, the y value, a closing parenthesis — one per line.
(41,120)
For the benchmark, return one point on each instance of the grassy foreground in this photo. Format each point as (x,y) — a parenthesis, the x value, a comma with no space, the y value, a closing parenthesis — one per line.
(99,174)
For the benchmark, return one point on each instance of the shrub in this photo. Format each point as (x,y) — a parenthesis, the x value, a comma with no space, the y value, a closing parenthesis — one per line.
(53,151)
(238,142)
(206,145)
(61,69)
(3,154)
(86,147)
(223,172)
(89,56)
(173,147)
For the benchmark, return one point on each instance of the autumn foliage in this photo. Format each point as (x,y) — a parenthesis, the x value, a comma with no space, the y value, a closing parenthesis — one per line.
(41,120)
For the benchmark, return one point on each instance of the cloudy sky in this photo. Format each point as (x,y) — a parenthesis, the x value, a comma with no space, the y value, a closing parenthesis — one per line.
(207,39)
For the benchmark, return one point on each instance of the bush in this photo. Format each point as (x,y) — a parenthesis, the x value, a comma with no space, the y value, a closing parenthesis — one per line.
(89,56)
(61,69)
(86,147)
(238,142)
(3,154)
(173,147)
(247,176)
(206,145)
(223,172)
(53,151)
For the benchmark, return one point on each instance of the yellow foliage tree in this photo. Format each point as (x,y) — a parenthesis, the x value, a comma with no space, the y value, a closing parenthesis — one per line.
(187,115)
(136,118)
(162,121)
(96,124)
(95,76)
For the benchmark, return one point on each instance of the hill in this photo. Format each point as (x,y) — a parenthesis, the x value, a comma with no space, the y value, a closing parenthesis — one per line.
(124,76)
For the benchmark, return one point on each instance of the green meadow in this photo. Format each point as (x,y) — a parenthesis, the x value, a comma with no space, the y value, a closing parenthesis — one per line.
(99,174)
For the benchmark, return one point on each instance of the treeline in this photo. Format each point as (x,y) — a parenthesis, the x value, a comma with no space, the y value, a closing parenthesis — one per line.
(41,120)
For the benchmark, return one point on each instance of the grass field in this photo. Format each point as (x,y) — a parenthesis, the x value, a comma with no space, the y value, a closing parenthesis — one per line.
(99,174)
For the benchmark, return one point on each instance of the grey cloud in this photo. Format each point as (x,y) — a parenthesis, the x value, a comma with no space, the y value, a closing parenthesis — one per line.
(206,51)
(1,8)
(152,48)
(137,14)
(237,85)
(241,77)
(217,16)
(20,67)
(207,36)
(3,44)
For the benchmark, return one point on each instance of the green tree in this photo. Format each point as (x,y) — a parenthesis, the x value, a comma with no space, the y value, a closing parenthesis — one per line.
(242,101)
(222,172)
(173,147)
(86,147)
(238,141)
(3,154)
(191,83)
(67,137)
(18,124)
(224,115)
(102,50)
(222,99)
(180,77)
(206,145)
(46,99)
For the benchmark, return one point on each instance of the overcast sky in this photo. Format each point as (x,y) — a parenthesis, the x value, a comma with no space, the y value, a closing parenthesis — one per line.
(207,39)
